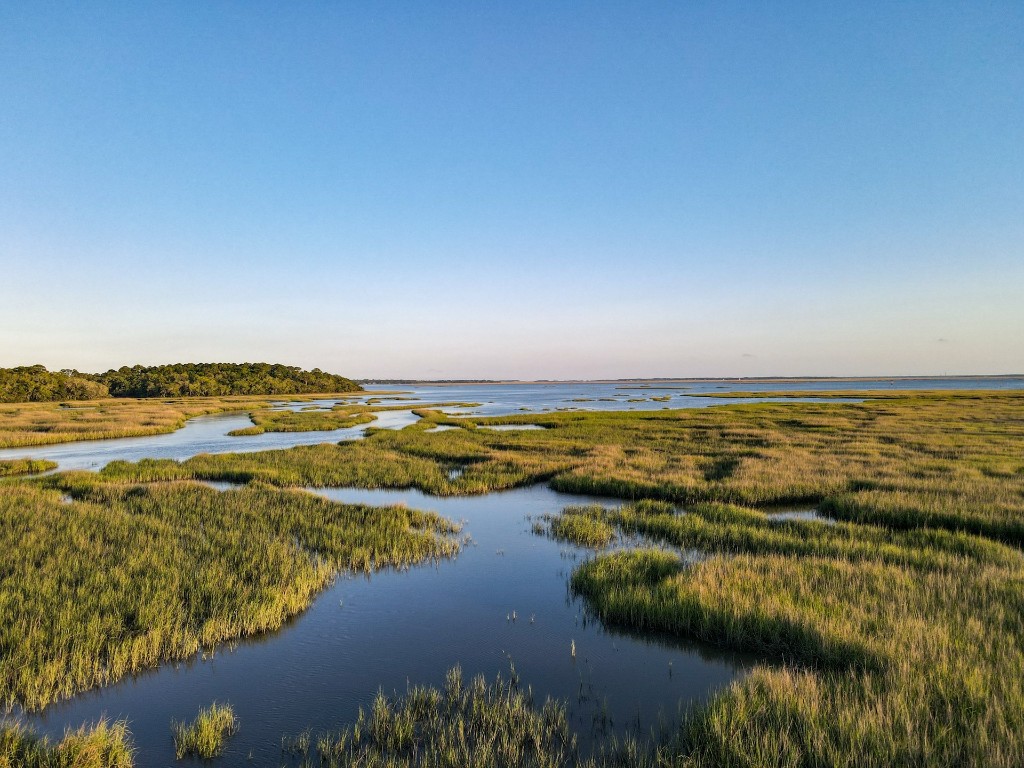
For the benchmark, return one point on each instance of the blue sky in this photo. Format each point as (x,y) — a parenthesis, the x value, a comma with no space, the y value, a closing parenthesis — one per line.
(515,190)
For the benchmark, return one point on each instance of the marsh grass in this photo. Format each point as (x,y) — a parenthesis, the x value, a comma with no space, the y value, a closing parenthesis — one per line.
(911,460)
(304,421)
(893,636)
(890,647)
(104,745)
(13,467)
(319,420)
(127,576)
(207,735)
(584,525)
(474,723)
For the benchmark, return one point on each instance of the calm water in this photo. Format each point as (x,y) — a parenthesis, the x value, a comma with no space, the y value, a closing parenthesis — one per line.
(503,399)
(395,628)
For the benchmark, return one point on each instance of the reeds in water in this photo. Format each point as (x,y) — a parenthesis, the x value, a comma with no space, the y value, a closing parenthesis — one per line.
(104,745)
(207,735)
(465,723)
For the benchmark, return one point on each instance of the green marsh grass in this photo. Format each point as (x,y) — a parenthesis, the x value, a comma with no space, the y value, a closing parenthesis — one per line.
(467,723)
(304,421)
(207,735)
(338,417)
(13,467)
(891,637)
(885,647)
(27,424)
(950,460)
(104,745)
(583,525)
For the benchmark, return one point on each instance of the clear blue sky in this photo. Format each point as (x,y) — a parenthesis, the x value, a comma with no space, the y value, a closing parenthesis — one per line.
(517,190)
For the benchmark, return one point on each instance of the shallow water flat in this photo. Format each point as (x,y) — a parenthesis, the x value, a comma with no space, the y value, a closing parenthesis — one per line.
(512,427)
(510,398)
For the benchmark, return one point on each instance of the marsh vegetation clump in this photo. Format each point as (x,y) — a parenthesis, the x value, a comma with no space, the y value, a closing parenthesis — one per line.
(465,723)
(13,467)
(38,419)
(339,417)
(584,525)
(207,735)
(104,745)
(27,424)
(325,420)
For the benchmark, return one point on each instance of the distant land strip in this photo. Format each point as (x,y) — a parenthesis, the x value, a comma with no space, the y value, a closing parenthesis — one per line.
(699,379)
(35,383)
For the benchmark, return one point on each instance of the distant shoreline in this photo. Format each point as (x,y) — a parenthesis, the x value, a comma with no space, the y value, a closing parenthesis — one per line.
(719,379)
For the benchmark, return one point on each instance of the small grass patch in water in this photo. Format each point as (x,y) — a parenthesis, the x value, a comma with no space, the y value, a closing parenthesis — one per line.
(480,724)
(13,467)
(584,525)
(207,735)
(246,431)
(304,421)
(326,420)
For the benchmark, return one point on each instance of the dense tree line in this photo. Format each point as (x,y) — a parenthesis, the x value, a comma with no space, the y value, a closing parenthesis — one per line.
(35,383)
(192,379)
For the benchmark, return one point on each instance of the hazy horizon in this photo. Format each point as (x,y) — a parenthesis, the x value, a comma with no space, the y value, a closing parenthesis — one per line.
(538,192)
(491,379)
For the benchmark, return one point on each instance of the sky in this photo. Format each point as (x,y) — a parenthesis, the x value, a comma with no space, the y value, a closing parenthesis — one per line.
(515,190)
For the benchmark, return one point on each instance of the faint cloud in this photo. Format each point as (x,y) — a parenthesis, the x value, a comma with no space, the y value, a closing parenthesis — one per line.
(747,354)
(942,341)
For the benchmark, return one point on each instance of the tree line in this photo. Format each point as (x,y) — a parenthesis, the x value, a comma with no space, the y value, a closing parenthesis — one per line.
(34,383)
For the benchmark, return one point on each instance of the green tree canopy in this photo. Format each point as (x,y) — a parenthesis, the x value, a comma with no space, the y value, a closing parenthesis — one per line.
(35,383)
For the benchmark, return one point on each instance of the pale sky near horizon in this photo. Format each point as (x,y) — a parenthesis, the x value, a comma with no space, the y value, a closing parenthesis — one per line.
(493,190)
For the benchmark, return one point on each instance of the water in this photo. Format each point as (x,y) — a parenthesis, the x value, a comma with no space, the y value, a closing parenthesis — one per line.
(396,628)
(510,398)
(800,515)
(512,427)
